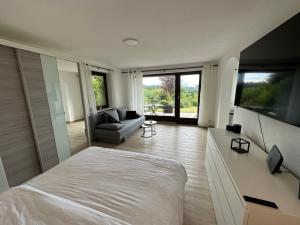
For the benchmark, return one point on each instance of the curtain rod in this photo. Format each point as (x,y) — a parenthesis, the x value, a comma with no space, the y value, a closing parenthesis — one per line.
(168,69)
(99,67)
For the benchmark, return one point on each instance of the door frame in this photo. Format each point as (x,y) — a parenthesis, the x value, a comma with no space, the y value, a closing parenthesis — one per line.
(176,118)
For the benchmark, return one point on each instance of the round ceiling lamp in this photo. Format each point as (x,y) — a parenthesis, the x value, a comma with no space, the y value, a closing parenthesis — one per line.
(131,41)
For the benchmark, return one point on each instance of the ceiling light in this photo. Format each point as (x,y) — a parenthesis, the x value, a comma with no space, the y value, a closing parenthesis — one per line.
(130,41)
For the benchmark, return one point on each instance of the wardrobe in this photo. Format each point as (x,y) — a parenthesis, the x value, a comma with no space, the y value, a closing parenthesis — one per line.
(33,133)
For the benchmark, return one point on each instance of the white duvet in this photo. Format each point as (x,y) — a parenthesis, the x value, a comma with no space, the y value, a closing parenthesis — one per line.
(100,186)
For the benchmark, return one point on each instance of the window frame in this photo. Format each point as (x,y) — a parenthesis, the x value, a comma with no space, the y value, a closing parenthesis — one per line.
(100,74)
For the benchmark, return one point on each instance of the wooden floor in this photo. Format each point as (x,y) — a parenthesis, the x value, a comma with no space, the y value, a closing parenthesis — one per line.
(187,145)
(77,137)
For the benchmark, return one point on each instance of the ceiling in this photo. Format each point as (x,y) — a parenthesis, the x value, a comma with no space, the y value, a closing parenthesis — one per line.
(170,31)
(67,66)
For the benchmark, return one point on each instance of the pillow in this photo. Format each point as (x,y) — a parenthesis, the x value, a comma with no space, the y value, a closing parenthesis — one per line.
(110,126)
(112,116)
(122,113)
(131,115)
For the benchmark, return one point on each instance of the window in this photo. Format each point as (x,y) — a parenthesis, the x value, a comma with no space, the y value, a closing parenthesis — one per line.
(100,89)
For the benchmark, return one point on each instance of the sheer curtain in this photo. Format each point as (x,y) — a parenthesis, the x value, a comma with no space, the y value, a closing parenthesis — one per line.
(136,92)
(207,95)
(87,82)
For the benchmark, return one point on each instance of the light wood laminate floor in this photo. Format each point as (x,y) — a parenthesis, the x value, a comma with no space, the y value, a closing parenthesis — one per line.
(77,137)
(185,144)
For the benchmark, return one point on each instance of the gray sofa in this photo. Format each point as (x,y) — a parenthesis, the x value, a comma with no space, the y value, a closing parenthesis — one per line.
(115,133)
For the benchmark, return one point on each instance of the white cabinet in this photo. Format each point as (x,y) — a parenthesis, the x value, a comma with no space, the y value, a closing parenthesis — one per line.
(232,175)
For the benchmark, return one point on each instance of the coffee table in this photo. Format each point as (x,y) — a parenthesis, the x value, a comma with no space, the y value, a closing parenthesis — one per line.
(151,124)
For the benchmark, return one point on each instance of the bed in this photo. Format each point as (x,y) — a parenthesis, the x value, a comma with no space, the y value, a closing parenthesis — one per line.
(100,186)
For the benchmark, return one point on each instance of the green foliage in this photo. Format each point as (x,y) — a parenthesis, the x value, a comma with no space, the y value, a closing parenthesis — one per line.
(99,90)
(193,109)
(164,102)
(158,95)
(151,95)
(188,97)
(266,95)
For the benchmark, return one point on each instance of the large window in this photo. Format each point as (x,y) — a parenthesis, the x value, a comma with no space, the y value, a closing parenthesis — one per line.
(100,89)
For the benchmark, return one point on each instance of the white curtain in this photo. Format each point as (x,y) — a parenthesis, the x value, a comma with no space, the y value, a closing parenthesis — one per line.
(207,101)
(88,86)
(136,92)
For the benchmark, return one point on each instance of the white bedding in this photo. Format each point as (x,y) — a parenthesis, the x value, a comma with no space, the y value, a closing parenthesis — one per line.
(115,187)
(26,205)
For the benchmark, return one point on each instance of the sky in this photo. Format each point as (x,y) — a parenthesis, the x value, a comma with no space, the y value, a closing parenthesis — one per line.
(256,77)
(187,80)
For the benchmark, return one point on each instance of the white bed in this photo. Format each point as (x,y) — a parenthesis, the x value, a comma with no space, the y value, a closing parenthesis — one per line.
(100,186)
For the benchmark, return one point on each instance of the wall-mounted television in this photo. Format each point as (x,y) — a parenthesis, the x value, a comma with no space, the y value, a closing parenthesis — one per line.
(269,74)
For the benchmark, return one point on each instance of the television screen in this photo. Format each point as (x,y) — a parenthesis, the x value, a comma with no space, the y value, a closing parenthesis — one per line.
(275,94)
(269,74)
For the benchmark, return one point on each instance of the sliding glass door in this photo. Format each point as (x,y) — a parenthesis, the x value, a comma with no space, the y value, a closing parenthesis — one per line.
(172,97)
(159,95)
(189,96)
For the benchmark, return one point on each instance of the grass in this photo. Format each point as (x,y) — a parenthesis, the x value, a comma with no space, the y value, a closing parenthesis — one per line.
(192,109)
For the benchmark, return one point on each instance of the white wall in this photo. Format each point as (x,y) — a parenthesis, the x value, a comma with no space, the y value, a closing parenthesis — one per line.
(71,94)
(227,74)
(285,136)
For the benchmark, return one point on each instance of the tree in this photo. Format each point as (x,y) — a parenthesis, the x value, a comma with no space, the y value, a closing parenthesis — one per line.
(168,84)
(168,88)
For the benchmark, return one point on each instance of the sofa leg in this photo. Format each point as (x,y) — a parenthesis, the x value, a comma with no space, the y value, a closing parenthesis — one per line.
(123,139)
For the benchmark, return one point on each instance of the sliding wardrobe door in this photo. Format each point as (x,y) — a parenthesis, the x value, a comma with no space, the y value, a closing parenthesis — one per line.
(17,144)
(3,179)
(51,77)
(32,73)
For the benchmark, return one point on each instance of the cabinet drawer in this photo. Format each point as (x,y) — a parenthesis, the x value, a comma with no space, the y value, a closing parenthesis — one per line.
(236,205)
(227,214)
(213,191)
(210,141)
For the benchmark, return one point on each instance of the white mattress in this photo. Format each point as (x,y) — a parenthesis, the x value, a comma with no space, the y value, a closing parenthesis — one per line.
(100,186)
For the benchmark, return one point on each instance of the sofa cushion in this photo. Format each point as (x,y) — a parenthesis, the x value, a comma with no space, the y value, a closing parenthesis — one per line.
(112,116)
(110,126)
(122,113)
(131,115)
(116,136)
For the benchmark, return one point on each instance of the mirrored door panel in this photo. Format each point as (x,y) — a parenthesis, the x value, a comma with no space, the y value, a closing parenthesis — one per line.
(57,113)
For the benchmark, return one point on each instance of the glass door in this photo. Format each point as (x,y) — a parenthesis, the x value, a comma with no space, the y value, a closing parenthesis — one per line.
(159,97)
(188,95)
(172,97)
